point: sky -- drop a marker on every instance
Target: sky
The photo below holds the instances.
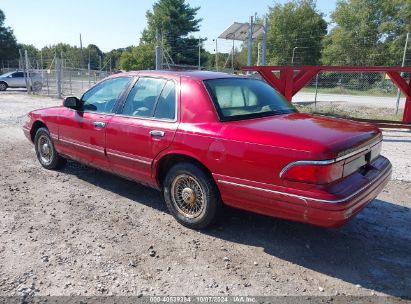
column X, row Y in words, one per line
column 111, row 24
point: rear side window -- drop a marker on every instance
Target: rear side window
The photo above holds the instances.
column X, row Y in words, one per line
column 166, row 105
column 18, row 75
column 151, row 97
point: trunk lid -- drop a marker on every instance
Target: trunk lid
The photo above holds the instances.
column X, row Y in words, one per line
column 320, row 136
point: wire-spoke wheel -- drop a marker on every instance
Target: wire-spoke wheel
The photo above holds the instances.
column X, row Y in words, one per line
column 45, row 151
column 191, row 195
column 187, row 195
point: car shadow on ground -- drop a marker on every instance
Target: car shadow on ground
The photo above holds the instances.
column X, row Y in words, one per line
column 373, row 250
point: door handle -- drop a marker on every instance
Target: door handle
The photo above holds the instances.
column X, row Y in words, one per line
column 99, row 124
column 156, row 133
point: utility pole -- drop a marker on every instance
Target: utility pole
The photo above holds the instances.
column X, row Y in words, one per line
column 27, row 73
column 216, row 54
column 232, row 58
column 264, row 51
column 250, row 41
column 403, row 63
column 42, row 66
column 199, row 53
column 158, row 51
column 258, row 53
column 81, row 53
column 89, row 69
column 21, row 65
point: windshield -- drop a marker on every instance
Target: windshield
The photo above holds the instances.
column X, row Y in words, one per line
column 240, row 98
column 6, row 74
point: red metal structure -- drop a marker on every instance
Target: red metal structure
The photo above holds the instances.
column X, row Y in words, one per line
column 294, row 78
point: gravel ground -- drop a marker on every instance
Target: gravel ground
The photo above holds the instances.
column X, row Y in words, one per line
column 84, row 232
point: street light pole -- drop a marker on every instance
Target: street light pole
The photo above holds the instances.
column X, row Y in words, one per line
column 297, row 47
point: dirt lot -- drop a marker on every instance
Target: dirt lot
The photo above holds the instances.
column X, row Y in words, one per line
column 84, row 232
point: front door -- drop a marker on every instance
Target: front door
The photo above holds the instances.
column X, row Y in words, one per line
column 144, row 127
column 82, row 131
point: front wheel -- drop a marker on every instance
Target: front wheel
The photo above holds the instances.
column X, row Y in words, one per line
column 3, row 86
column 192, row 196
column 45, row 151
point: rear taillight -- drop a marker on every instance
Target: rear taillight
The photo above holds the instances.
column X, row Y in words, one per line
column 314, row 172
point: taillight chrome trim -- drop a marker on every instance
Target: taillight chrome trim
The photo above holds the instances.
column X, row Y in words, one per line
column 381, row 177
column 327, row 161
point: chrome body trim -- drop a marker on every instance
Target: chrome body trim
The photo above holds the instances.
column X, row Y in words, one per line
column 110, row 152
column 342, row 200
column 81, row 145
column 327, row 161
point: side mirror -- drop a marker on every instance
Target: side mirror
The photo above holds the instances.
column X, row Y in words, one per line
column 71, row 102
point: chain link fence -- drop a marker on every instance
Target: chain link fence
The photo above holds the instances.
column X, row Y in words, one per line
column 53, row 77
column 370, row 95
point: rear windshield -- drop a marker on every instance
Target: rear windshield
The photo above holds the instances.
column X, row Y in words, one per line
column 241, row 98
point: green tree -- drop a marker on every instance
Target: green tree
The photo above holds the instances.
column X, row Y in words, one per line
column 173, row 20
column 32, row 51
column 94, row 55
column 115, row 58
column 356, row 38
column 296, row 25
column 8, row 43
column 140, row 57
column 395, row 25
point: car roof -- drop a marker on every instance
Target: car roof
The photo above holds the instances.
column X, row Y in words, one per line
column 198, row 75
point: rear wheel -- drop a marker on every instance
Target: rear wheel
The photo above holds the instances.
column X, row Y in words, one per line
column 3, row 86
column 37, row 86
column 192, row 196
column 45, row 151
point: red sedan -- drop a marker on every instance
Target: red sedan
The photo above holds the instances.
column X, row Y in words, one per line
column 207, row 139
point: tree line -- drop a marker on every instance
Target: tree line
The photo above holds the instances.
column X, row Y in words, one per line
column 361, row 32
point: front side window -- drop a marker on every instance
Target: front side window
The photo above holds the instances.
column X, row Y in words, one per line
column 102, row 98
column 241, row 98
column 151, row 97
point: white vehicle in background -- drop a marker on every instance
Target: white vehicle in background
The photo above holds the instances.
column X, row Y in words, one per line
column 16, row 80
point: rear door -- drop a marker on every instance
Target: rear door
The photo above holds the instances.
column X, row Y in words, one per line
column 82, row 132
column 143, row 127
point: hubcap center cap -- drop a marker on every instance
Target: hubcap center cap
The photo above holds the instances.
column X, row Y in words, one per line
column 188, row 195
column 46, row 149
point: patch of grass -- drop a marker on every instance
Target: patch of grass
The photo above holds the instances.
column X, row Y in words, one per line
column 346, row 91
column 344, row 111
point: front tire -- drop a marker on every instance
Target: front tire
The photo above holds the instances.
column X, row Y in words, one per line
column 3, row 86
column 192, row 196
column 45, row 151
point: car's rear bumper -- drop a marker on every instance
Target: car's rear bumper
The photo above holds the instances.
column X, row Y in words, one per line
column 305, row 208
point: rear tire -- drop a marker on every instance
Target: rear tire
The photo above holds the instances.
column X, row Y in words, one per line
column 3, row 86
column 192, row 196
column 45, row 151
column 37, row 86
